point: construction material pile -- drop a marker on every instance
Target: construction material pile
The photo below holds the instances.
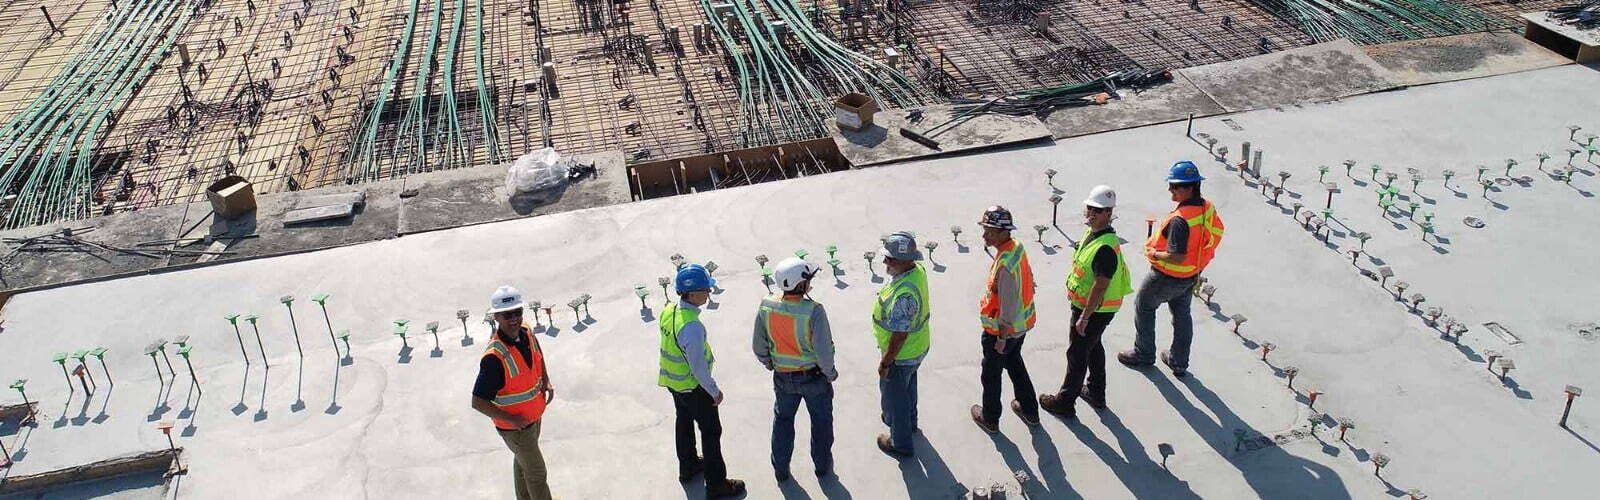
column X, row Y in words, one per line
column 1583, row 15
column 1044, row 100
column 69, row 240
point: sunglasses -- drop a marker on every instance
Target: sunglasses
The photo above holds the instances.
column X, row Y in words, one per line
column 514, row 313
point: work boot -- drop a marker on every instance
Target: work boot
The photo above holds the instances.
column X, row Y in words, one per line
column 1031, row 420
column 694, row 469
column 1131, row 358
column 1057, row 405
column 977, row 417
column 1166, row 359
column 887, row 445
column 1098, row 403
column 729, row 488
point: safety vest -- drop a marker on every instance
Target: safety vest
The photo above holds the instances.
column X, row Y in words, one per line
column 675, row 373
column 523, row 392
column 1081, row 282
column 913, row 283
column 1205, row 233
column 1013, row 259
column 788, row 325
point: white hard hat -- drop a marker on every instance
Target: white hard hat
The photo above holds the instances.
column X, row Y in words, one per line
column 1101, row 196
column 792, row 271
column 505, row 299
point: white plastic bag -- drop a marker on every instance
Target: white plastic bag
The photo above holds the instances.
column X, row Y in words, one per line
column 537, row 171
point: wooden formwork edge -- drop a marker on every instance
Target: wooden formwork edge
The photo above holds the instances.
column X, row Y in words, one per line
column 162, row 460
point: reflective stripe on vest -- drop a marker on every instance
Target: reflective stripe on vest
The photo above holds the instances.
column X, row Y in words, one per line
column 674, row 373
column 1201, row 246
column 523, row 392
column 1014, row 260
column 913, row 283
column 1081, row 282
column 788, row 324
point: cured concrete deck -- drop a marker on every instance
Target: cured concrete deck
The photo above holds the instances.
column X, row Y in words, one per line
column 395, row 423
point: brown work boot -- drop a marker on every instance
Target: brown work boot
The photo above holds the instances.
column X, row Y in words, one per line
column 887, row 445
column 728, row 489
column 1031, row 420
column 1057, row 405
column 1098, row 403
column 977, row 417
column 1166, row 359
column 1131, row 358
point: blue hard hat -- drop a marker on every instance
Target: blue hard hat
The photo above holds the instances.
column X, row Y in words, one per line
column 1184, row 172
column 692, row 277
column 901, row 246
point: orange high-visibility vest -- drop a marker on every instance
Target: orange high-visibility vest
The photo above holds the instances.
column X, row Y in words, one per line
column 523, row 393
column 1205, row 233
column 788, row 325
column 1011, row 257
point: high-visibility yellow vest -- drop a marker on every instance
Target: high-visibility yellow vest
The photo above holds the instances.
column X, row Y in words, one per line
column 675, row 372
column 1081, row 282
column 912, row 283
column 788, row 324
column 1012, row 258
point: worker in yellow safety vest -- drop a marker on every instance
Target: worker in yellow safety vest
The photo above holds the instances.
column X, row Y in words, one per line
column 900, row 325
column 513, row 388
column 1007, row 314
column 793, row 340
column 1178, row 253
column 686, row 373
column 1098, row 282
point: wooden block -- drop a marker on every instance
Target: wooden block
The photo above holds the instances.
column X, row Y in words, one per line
column 358, row 198
column 319, row 214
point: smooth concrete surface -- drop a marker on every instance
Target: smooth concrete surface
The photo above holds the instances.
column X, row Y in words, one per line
column 395, row 423
column 1171, row 101
column 1476, row 55
column 1320, row 72
column 881, row 143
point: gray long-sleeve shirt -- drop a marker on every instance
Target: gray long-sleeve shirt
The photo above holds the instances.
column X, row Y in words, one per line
column 692, row 339
column 1009, row 288
column 821, row 342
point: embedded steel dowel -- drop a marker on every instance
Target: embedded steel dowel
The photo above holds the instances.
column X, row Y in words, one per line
column 288, row 302
column 233, row 319
column 322, row 301
column 1572, row 393
column 252, row 318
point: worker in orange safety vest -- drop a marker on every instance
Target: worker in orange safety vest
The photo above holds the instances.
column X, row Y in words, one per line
column 792, row 338
column 1178, row 253
column 1007, row 314
column 513, row 388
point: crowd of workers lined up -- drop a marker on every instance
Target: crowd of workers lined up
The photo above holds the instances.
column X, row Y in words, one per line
column 792, row 338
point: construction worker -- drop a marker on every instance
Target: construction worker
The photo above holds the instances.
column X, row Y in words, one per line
column 1096, row 286
column 1177, row 253
column 900, row 324
column 1007, row 314
column 793, row 340
column 686, row 373
column 513, row 388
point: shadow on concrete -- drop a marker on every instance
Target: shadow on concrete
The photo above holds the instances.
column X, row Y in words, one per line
column 926, row 475
column 333, row 403
column 1585, row 441
column 191, row 408
column 1016, row 463
column 299, row 389
column 240, row 408
column 1289, row 476
column 832, row 489
column 1143, row 477
column 261, row 409
column 526, row 203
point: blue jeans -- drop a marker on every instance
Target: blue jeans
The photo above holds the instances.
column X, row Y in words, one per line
column 790, row 389
column 1156, row 290
column 900, row 404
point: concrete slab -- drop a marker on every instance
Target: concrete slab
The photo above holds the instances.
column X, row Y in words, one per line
column 396, row 423
column 1172, row 101
column 1315, row 73
column 882, row 143
column 1476, row 55
column 476, row 195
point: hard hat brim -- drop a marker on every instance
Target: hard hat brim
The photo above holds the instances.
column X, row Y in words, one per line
column 1096, row 204
column 912, row 256
column 518, row 305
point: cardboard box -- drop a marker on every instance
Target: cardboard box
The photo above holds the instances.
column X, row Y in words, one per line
column 231, row 197
column 854, row 111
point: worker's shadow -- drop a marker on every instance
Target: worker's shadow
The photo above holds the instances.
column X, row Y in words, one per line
column 926, row 475
column 1133, row 465
column 1055, row 480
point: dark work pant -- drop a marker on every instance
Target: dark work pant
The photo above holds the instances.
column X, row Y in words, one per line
column 695, row 408
column 1009, row 361
column 789, row 390
column 1086, row 357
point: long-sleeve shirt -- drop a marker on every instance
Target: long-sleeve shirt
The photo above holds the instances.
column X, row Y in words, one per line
column 902, row 314
column 1009, row 290
column 821, row 342
column 692, row 339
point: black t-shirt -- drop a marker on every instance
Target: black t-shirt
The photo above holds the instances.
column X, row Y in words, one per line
column 491, row 376
column 1105, row 260
column 1177, row 230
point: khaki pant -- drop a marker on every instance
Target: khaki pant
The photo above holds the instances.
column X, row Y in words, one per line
column 528, row 464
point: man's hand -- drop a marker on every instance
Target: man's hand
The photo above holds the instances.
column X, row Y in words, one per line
column 1000, row 344
column 549, row 393
column 883, row 368
column 1082, row 325
column 718, row 401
